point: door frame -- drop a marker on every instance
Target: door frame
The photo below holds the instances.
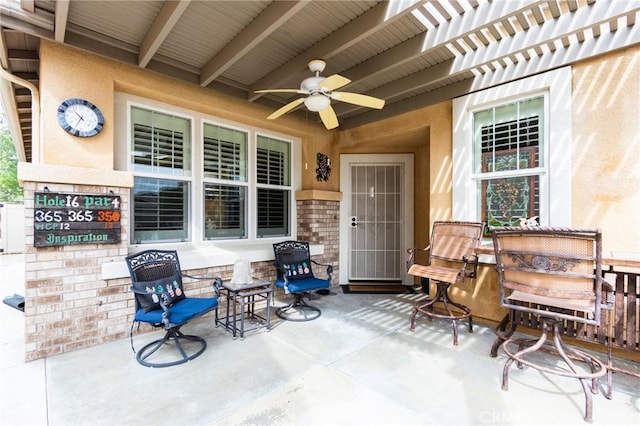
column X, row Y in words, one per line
column 346, row 161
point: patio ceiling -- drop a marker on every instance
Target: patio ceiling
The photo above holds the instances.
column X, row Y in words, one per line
column 410, row 53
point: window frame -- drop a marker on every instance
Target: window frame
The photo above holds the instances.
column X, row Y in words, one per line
column 196, row 227
column 187, row 175
column 285, row 186
column 246, row 184
column 555, row 175
column 533, row 172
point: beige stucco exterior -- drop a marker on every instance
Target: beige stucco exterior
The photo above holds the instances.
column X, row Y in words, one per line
column 606, row 136
column 605, row 148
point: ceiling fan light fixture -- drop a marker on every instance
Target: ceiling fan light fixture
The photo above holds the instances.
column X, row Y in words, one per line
column 317, row 102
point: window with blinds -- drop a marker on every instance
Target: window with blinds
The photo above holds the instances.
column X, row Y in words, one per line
column 241, row 188
column 225, row 153
column 157, row 148
column 160, row 150
column 508, row 145
column 224, row 211
column 273, row 212
column 273, row 198
column 224, row 165
column 160, row 209
column 161, row 143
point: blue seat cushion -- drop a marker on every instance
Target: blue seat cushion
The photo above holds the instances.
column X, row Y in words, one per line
column 307, row 284
column 180, row 312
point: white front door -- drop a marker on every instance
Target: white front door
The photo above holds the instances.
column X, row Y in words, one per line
column 376, row 217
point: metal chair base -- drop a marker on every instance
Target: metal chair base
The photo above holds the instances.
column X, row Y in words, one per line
column 526, row 346
column 442, row 296
column 298, row 310
column 176, row 337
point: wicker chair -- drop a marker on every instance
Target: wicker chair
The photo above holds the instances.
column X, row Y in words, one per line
column 451, row 261
column 555, row 276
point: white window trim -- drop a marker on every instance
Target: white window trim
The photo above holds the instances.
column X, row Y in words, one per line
column 251, row 248
column 555, row 205
column 187, row 177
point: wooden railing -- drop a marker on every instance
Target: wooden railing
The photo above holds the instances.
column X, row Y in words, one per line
column 623, row 318
column 619, row 328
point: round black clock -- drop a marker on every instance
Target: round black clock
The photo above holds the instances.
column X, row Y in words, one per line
column 80, row 117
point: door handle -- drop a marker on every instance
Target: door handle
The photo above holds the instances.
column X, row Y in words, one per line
column 354, row 221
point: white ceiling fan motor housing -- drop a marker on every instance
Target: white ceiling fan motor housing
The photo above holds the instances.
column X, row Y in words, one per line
column 317, row 102
column 317, row 99
column 311, row 84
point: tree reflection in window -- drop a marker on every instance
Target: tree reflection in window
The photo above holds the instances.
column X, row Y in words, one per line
column 506, row 200
column 507, row 148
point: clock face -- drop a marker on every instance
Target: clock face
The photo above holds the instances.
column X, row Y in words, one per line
column 80, row 117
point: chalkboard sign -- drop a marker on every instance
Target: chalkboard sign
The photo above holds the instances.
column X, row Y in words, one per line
column 66, row 219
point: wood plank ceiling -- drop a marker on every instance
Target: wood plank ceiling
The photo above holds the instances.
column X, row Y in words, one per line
column 411, row 53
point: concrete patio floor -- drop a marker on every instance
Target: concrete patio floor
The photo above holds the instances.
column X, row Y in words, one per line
column 358, row 364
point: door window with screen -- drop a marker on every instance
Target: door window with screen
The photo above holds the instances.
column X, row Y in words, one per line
column 161, row 159
column 509, row 161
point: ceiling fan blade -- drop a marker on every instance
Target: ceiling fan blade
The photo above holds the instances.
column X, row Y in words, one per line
column 302, row 92
column 333, row 82
column 285, row 109
column 358, row 99
column 329, row 118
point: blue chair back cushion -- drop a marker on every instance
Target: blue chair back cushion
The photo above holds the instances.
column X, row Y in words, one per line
column 169, row 287
column 302, row 285
column 181, row 311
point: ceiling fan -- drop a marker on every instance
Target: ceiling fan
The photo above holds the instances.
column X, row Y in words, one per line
column 320, row 91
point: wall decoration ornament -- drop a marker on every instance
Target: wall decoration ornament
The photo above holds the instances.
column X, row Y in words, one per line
column 323, row 171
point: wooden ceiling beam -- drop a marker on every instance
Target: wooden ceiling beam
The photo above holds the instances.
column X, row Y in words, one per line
column 376, row 18
column 167, row 18
column 259, row 29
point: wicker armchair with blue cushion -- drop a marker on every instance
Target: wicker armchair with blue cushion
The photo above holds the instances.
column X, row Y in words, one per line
column 294, row 274
column 156, row 279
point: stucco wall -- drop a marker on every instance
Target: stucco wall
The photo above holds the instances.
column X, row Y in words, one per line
column 606, row 97
column 605, row 150
column 71, row 73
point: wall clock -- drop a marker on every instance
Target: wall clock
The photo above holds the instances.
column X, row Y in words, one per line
column 80, row 118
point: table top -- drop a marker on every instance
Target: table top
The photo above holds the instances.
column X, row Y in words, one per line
column 245, row 286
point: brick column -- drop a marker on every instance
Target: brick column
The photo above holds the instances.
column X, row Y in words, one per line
column 318, row 223
column 67, row 304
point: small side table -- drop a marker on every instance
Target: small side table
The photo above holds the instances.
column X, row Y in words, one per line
column 245, row 296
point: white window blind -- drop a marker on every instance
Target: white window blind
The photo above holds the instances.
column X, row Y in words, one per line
column 273, row 192
column 225, row 153
column 160, row 150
